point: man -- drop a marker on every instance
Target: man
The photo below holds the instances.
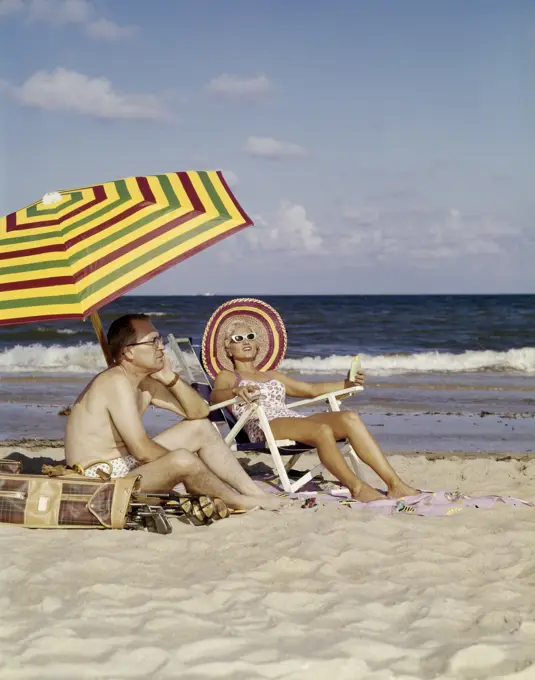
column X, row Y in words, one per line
column 105, row 431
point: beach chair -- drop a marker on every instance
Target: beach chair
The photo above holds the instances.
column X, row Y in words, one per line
column 188, row 355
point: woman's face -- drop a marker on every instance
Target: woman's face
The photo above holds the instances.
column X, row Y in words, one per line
column 242, row 344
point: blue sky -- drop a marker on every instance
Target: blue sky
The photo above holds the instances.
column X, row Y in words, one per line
column 382, row 146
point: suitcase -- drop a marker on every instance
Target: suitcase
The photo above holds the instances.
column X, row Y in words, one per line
column 72, row 501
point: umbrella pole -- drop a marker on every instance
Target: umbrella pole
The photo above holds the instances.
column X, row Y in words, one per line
column 97, row 325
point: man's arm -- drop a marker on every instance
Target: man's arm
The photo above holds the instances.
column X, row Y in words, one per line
column 124, row 413
column 180, row 398
column 171, row 392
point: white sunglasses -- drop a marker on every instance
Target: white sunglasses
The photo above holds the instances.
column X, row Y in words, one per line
column 241, row 338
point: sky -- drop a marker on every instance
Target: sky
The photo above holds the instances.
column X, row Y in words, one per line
column 380, row 146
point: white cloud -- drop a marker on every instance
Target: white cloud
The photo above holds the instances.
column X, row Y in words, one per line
column 68, row 12
column 267, row 147
column 423, row 236
column 103, row 29
column 8, row 7
column 291, row 231
column 64, row 90
column 236, row 86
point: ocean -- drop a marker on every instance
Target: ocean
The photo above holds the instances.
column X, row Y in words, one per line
column 426, row 356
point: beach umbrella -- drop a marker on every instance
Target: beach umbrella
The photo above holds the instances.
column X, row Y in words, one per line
column 73, row 251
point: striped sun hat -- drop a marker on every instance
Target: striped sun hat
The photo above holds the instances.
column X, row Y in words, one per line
column 256, row 315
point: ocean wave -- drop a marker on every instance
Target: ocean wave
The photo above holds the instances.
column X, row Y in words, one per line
column 88, row 358
column 517, row 360
column 37, row 358
column 156, row 313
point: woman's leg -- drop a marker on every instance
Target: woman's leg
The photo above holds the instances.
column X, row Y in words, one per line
column 321, row 437
column 349, row 424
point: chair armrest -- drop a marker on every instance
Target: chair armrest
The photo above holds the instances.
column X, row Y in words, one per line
column 325, row 397
column 223, row 404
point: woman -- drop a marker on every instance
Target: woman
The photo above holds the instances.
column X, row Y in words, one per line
column 241, row 343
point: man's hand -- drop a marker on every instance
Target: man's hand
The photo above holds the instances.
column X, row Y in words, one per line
column 166, row 374
column 248, row 393
column 358, row 382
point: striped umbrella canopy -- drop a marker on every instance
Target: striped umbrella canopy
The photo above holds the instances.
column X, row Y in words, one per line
column 73, row 251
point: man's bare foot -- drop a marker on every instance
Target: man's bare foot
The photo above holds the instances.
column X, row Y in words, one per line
column 401, row 489
column 365, row 493
column 263, row 501
column 283, row 501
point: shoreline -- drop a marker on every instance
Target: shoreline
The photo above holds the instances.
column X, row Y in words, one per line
column 38, row 445
column 491, row 415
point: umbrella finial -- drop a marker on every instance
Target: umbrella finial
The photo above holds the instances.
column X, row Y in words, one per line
column 51, row 197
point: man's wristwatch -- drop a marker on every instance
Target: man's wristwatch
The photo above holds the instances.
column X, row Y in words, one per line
column 173, row 381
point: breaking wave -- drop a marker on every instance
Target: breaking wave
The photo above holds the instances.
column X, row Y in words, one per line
column 88, row 358
column 517, row 360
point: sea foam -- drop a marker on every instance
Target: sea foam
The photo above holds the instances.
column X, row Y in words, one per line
column 88, row 358
column 513, row 360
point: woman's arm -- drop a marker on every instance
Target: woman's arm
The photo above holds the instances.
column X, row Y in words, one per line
column 299, row 388
column 225, row 388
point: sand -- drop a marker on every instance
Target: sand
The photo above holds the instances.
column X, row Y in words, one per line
column 329, row 593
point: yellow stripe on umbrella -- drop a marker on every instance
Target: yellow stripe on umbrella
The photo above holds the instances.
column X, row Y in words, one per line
column 68, row 256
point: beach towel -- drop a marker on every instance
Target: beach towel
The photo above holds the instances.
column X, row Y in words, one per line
column 440, row 503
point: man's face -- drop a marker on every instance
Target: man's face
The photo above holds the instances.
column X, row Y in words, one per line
column 146, row 351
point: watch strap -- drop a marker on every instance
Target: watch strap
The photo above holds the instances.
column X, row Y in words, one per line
column 174, row 381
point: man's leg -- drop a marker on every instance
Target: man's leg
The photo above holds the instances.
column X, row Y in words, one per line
column 181, row 465
column 202, row 437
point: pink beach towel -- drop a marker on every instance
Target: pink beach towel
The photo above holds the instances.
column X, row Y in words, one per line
column 428, row 503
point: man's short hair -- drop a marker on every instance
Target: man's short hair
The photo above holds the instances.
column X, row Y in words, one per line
column 121, row 333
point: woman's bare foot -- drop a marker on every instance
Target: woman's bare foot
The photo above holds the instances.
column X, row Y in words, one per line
column 401, row 489
column 365, row 493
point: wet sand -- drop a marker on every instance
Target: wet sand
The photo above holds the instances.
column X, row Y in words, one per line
column 421, row 414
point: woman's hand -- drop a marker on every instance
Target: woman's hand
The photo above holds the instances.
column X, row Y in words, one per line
column 248, row 393
column 358, row 382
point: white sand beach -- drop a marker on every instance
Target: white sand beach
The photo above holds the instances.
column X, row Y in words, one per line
column 334, row 592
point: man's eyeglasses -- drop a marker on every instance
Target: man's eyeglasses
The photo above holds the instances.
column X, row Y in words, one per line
column 159, row 339
column 241, row 338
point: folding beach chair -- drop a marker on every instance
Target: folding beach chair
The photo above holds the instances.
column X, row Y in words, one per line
column 189, row 357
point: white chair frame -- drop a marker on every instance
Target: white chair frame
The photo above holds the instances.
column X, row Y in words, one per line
column 332, row 399
column 273, row 444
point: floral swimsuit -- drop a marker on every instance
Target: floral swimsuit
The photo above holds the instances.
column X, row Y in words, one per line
column 273, row 400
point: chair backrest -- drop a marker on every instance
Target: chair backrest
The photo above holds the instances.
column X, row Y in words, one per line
column 189, row 355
